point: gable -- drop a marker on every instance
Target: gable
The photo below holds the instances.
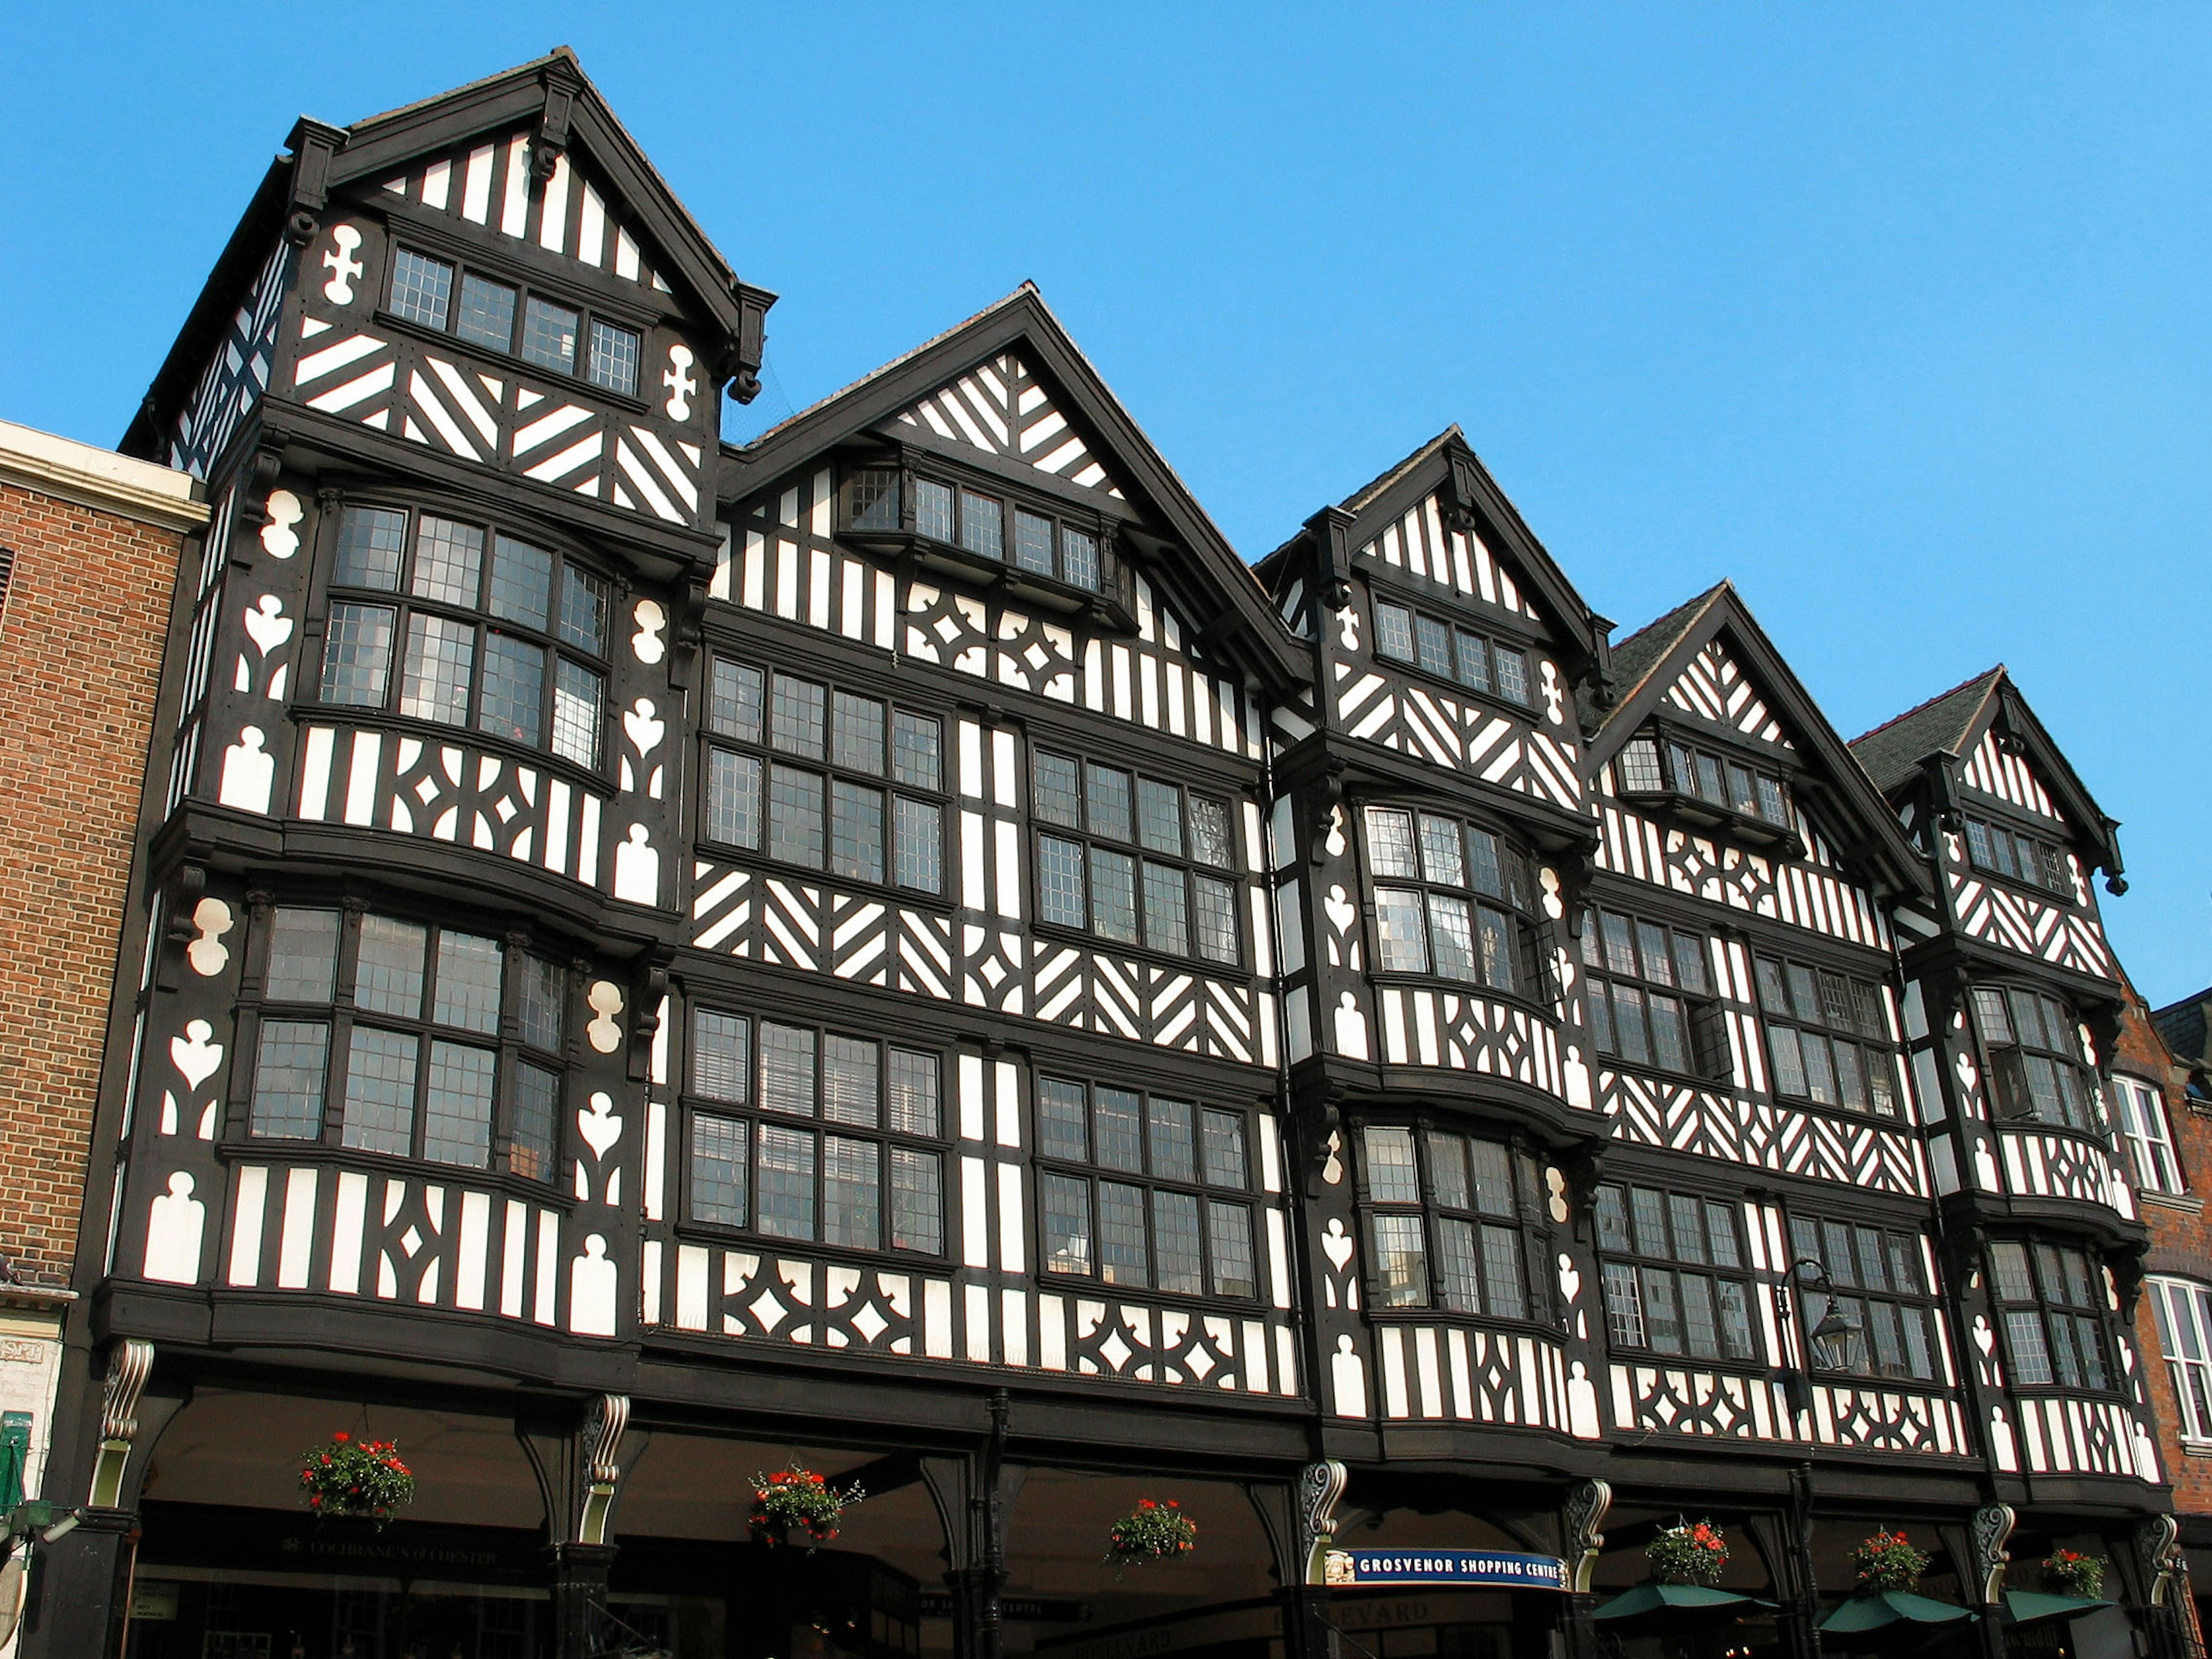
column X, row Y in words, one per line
column 1000, row 408
column 488, row 184
column 1419, row 545
column 1989, row 768
column 1714, row 687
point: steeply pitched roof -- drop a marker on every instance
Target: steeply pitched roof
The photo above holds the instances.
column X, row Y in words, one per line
column 1636, row 656
column 1939, row 727
column 2183, row 1024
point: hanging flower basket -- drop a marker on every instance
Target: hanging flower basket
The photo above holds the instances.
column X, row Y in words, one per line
column 1888, row 1561
column 2069, row 1572
column 361, row 1479
column 1688, row 1552
column 1153, row 1531
column 799, row 1501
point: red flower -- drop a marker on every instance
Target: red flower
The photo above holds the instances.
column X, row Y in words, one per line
column 340, row 1435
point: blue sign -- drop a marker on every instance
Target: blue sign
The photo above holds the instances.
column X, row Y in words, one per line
column 1492, row 1569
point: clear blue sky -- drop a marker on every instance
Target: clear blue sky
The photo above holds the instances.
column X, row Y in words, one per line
column 1898, row 315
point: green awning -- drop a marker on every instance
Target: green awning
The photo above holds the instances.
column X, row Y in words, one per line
column 2032, row 1606
column 1863, row 1613
column 1661, row 1598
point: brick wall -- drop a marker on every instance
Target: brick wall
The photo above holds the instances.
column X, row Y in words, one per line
column 81, row 641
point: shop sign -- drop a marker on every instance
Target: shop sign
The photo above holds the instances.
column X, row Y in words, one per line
column 1496, row 1569
column 1022, row 1609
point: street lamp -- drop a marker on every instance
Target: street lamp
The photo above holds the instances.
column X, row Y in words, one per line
column 1828, row 1339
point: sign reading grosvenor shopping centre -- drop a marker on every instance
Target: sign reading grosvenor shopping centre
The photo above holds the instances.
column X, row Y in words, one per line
column 1492, row 1569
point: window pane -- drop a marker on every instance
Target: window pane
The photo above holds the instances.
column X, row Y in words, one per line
column 448, row 561
column 537, row 1109
column 372, row 542
column 1720, row 1235
column 1639, row 766
column 1209, row 834
column 1402, row 942
column 1770, row 805
column 468, row 981
column 721, row 1065
column 357, row 655
column 1060, row 1115
column 1613, row 1220
column 1065, row 1202
column 736, row 701
column 433, row 685
column 876, row 499
column 1159, row 817
column 1512, row 672
column 1225, row 1149
column 457, row 1106
column 1079, row 557
column 858, row 731
column 1116, row 1122
column 1658, row 960
column 1433, row 646
column 1393, row 631
column 856, row 831
column 718, row 1170
column 1060, row 882
column 1619, row 944
column 794, row 815
column 1686, row 1221
column 1661, row 1312
column 1390, row 843
column 2031, row 1356
column 982, row 525
column 1108, row 793
column 1709, row 786
column 514, row 697
column 1443, row 851
column 548, row 335
column 614, row 358
column 920, row 837
column 389, row 980
column 913, row 1100
column 486, row 313
column 1216, row 920
column 288, row 1078
column 1735, row 1320
column 1851, row 1083
column 1701, row 1328
column 1167, row 923
column 1473, row 660
column 1600, row 1006
column 733, row 803
column 1053, row 780
column 583, row 610
column 1173, row 1140
column 1773, row 995
column 1632, row 1034
column 1502, row 1280
column 1032, row 542
column 932, row 509
column 798, row 712
column 1402, row 1260
column 1391, row 1178
column 1229, row 1235
column 1670, row 1036
column 303, row 955
column 786, row 1181
column 916, row 745
column 1690, row 963
column 1113, row 895
column 379, row 1099
column 1649, row 1210
column 851, row 1080
column 1448, row 1184
column 1624, row 1305
column 521, row 583
column 1459, row 1264
column 1743, row 795
column 786, row 1068
column 1493, row 1177
column 422, row 289
column 578, row 696
column 1123, row 1256
column 852, row 1192
column 917, row 1200
column 1788, row 1061
column 1175, row 1234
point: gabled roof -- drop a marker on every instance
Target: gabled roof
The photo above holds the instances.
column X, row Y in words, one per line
column 1950, row 725
column 1241, row 620
column 2183, row 1025
column 1446, row 465
column 1648, row 663
column 552, row 95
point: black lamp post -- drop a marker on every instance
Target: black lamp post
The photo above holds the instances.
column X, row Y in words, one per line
column 1828, row 1339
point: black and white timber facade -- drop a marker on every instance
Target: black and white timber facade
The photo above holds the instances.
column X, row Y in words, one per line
column 889, row 948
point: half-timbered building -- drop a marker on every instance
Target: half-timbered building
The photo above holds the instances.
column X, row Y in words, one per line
column 890, row 950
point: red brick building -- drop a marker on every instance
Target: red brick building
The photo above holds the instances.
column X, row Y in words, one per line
column 90, row 542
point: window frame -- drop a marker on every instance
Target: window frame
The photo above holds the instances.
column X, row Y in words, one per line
column 1520, row 904
column 2047, row 1313
column 1662, row 744
column 1706, row 1043
column 2189, row 1375
column 907, row 470
column 1671, row 1263
column 1090, row 759
column 2054, row 876
column 588, row 312
column 1814, row 1237
column 341, row 1014
column 693, row 1103
column 1876, row 1053
column 403, row 605
column 2146, row 1126
column 2009, row 1088
column 1093, row 1172
column 1430, row 1211
column 1461, row 642
column 764, row 754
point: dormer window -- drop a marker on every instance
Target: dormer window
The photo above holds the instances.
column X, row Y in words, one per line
column 1451, row 653
column 1021, row 535
column 2017, row 857
column 552, row 334
column 1703, row 779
